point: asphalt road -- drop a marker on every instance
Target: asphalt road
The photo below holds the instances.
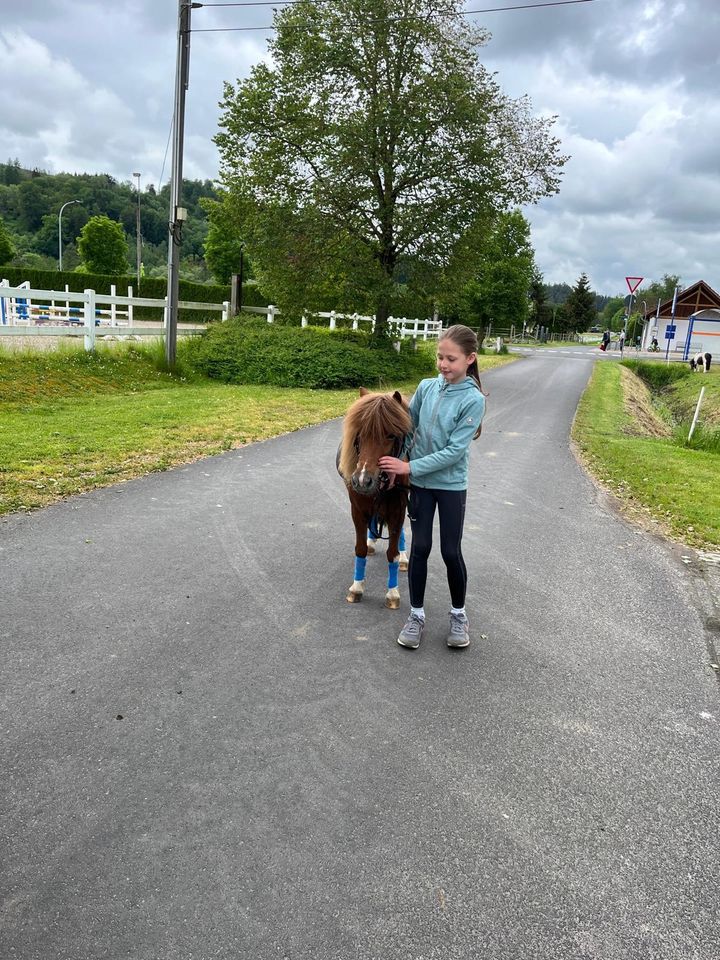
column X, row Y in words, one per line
column 207, row 753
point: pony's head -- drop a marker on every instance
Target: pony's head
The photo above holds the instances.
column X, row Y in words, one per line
column 375, row 426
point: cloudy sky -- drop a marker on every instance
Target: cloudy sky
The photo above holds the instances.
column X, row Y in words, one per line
column 87, row 86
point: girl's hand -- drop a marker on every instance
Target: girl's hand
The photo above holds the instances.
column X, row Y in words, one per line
column 394, row 467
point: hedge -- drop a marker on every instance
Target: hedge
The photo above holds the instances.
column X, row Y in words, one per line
column 251, row 351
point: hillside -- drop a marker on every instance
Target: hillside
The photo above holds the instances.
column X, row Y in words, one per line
column 30, row 201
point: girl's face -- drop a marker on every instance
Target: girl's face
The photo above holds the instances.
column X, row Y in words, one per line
column 452, row 362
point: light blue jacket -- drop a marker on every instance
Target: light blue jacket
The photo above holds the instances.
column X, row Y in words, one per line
column 446, row 417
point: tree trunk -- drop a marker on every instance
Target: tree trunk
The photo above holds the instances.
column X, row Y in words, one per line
column 387, row 260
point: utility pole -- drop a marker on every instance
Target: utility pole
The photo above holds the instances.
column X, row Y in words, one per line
column 137, row 231
column 177, row 214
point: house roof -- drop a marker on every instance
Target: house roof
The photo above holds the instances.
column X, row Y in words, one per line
column 698, row 296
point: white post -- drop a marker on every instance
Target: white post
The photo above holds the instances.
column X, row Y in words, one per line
column 271, row 308
column 89, row 319
column 113, row 306
column 697, row 411
column 333, row 316
column 130, row 307
column 225, row 310
column 303, row 321
column 498, row 345
column 355, row 321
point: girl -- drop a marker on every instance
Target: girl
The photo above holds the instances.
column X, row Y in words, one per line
column 447, row 412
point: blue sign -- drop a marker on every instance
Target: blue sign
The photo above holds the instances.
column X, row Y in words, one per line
column 670, row 331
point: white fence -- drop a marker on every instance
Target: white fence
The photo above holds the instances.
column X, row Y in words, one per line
column 28, row 312
column 399, row 326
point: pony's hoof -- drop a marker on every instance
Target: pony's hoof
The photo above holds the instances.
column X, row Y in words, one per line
column 371, row 548
column 354, row 597
column 392, row 603
column 404, row 564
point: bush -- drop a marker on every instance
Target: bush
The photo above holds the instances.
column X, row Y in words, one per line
column 657, row 375
column 252, row 351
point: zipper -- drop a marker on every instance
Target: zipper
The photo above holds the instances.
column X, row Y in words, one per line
column 443, row 388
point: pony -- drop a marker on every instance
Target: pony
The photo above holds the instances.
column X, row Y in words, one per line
column 375, row 425
column 701, row 361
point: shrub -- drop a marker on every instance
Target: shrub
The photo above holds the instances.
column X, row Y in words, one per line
column 252, row 351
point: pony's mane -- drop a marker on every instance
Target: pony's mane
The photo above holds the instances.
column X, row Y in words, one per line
column 371, row 418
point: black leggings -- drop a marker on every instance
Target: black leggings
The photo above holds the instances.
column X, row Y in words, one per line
column 451, row 510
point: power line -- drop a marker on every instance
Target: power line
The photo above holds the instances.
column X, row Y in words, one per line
column 276, row 3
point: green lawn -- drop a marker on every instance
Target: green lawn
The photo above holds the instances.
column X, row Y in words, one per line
column 71, row 421
column 673, row 485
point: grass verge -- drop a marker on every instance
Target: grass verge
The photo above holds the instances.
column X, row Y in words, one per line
column 71, row 421
column 661, row 482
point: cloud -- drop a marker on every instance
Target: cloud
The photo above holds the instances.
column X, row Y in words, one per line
column 633, row 86
column 89, row 87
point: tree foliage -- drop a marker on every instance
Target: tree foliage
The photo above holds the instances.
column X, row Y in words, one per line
column 371, row 135
column 541, row 311
column 578, row 312
column 7, row 248
column 102, row 246
column 31, row 200
column 498, row 293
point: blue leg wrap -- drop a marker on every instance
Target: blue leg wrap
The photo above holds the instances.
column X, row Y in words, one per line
column 401, row 543
column 360, row 567
column 393, row 574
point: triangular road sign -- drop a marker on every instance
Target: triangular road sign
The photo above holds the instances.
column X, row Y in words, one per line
column 633, row 283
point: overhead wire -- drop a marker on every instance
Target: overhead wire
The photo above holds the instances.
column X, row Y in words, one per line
column 276, row 3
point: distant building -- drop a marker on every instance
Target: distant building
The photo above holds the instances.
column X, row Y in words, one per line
column 696, row 321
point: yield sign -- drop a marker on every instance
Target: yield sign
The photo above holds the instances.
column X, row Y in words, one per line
column 633, row 283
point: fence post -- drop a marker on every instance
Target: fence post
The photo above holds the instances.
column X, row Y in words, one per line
column 303, row 321
column 89, row 319
column 225, row 310
column 3, row 308
column 355, row 321
column 113, row 306
column 130, row 306
column 271, row 308
column 333, row 315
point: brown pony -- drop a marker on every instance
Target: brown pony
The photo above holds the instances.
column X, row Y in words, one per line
column 376, row 425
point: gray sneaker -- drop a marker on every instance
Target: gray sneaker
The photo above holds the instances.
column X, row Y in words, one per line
column 411, row 633
column 459, row 635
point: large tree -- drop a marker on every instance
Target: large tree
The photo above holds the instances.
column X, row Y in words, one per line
column 541, row 311
column 579, row 312
column 102, row 246
column 372, row 134
column 504, row 265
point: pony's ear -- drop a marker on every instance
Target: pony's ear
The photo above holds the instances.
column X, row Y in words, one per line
column 398, row 396
column 364, row 391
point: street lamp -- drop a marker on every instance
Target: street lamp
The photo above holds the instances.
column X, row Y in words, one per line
column 137, row 230
column 60, row 231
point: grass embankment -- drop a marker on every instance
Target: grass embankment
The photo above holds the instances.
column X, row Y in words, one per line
column 71, row 421
column 633, row 439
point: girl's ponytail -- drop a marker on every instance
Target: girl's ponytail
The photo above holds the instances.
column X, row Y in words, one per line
column 466, row 340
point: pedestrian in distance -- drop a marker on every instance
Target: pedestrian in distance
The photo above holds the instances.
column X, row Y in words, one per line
column 605, row 340
column 621, row 341
column 447, row 413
